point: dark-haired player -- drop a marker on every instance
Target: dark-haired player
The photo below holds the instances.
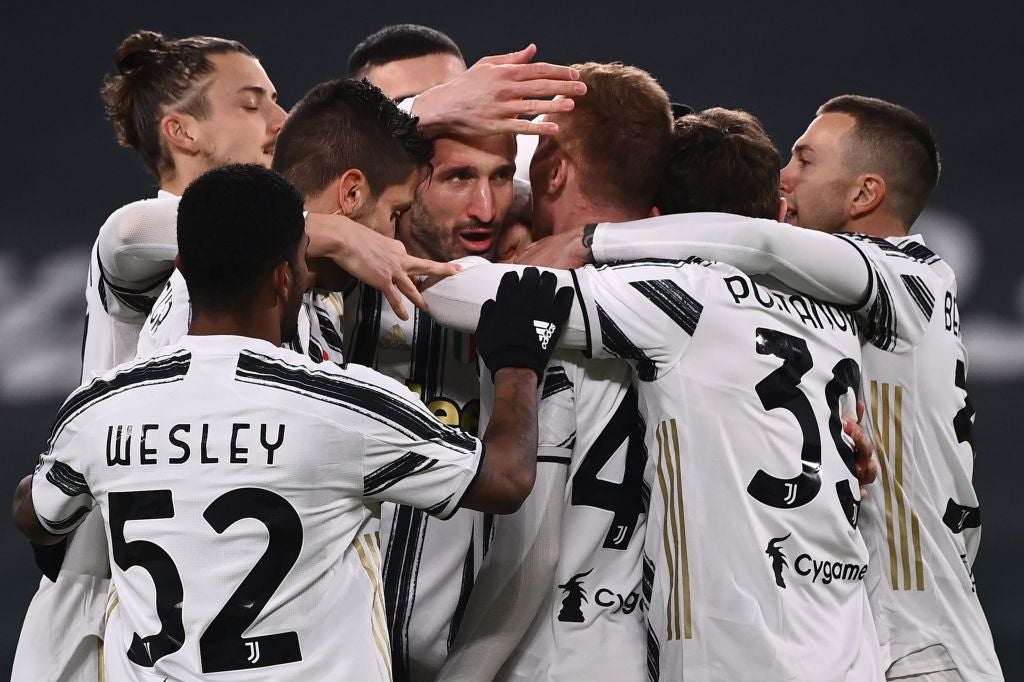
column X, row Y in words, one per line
column 404, row 60
column 350, row 151
column 742, row 386
column 868, row 166
column 228, row 446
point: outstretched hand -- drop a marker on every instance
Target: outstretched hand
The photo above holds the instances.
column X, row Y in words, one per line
column 379, row 260
column 866, row 466
column 492, row 94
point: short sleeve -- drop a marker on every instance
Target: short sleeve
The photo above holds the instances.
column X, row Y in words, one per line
column 644, row 312
column 412, row 458
column 60, row 493
column 906, row 277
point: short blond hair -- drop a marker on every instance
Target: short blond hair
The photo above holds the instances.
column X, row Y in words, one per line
column 618, row 135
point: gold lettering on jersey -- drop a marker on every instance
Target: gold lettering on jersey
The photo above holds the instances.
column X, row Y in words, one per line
column 448, row 411
column 811, row 312
column 906, row 563
column 176, row 444
column 673, row 529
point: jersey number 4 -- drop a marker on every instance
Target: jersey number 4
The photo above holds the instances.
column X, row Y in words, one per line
column 222, row 646
column 781, row 390
column 625, row 500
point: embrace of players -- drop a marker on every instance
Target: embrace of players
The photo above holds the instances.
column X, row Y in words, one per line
column 341, row 419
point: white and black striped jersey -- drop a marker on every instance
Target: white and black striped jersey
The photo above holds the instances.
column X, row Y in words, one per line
column 558, row 595
column 239, row 484
column 922, row 523
column 753, row 566
column 130, row 260
column 429, row 565
column 318, row 334
column 130, row 263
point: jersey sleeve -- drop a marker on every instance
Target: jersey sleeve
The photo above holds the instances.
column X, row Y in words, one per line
column 813, row 263
column 411, row 457
column 60, row 493
column 455, row 301
column 136, row 248
column 906, row 277
column 644, row 312
column 169, row 319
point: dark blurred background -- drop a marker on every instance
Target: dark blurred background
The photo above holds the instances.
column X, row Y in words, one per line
column 957, row 64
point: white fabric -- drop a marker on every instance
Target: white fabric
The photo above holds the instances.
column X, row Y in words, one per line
column 521, row 623
column 920, row 581
column 302, row 451
column 430, row 566
column 740, row 583
column 318, row 330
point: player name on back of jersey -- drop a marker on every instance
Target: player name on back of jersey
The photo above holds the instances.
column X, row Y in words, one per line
column 812, row 312
column 148, row 444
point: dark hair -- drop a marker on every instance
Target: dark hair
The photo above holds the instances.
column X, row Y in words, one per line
column 345, row 124
column 235, row 225
column 722, row 160
column 618, row 134
column 155, row 75
column 396, row 42
column 896, row 143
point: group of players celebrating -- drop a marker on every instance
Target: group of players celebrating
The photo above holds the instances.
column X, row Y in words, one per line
column 291, row 349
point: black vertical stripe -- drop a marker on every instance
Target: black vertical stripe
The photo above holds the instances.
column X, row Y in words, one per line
column 401, row 566
column 468, row 577
column 367, row 329
column 427, row 352
column 330, row 335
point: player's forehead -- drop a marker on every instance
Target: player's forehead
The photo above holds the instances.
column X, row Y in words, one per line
column 237, row 74
column 485, row 154
column 409, row 77
column 824, row 134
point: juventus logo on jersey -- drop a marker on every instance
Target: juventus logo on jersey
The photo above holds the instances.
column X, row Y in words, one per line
column 545, row 330
column 254, row 652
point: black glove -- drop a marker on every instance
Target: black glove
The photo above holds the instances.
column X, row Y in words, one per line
column 521, row 325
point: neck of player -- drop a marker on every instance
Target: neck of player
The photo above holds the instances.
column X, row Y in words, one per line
column 253, row 323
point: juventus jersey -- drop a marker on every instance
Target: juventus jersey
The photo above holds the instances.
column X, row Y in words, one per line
column 272, row 465
column 924, row 525
column 429, row 565
column 922, row 522
column 753, row 567
column 318, row 334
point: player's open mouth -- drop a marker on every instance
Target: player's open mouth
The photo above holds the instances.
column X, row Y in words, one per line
column 477, row 240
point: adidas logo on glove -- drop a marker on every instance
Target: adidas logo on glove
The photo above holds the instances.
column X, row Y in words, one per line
column 545, row 330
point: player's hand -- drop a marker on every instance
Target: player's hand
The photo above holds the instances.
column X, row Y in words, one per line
column 866, row 466
column 564, row 251
column 380, row 261
column 492, row 94
column 520, row 326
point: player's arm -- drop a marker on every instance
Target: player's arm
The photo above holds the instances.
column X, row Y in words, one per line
column 54, row 500
column 808, row 261
column 490, row 96
column 25, row 518
column 138, row 243
column 456, row 301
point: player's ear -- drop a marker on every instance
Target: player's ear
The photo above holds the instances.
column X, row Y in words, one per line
column 353, row 191
column 869, row 194
column 559, row 173
column 281, row 280
column 780, row 214
column 181, row 132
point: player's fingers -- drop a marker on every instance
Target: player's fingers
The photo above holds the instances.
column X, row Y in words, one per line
column 422, row 266
column 394, row 299
column 860, row 411
column 542, row 70
column 518, row 57
column 545, row 87
column 408, row 287
column 524, row 127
